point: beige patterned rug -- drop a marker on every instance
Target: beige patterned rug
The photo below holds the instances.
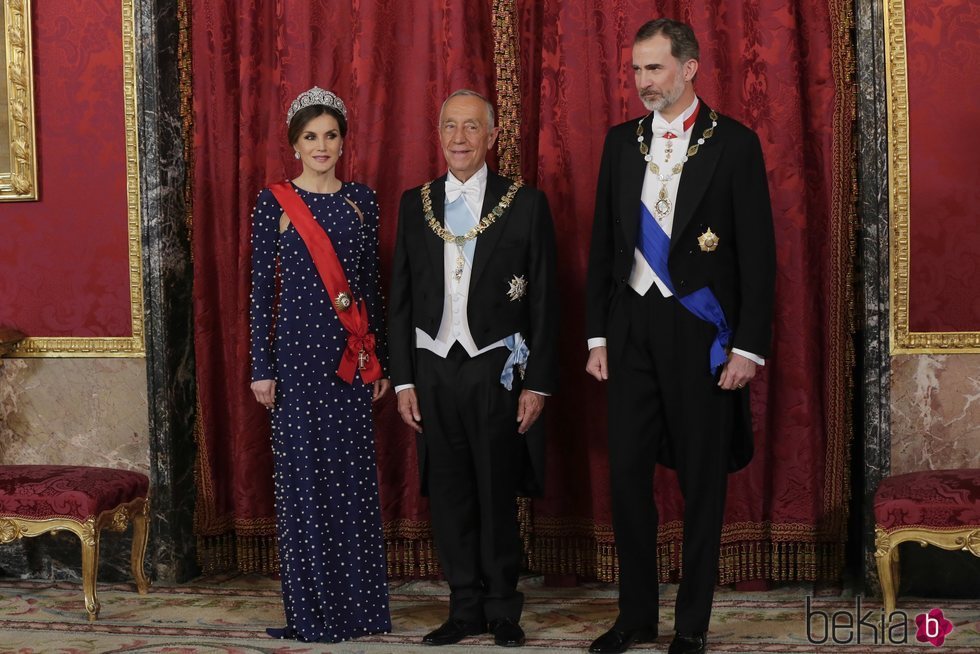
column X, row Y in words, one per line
column 229, row 616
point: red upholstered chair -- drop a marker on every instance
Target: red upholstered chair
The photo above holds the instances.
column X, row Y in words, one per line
column 36, row 499
column 931, row 507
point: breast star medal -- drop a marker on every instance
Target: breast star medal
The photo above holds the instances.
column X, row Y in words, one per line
column 342, row 301
column 708, row 242
column 518, row 288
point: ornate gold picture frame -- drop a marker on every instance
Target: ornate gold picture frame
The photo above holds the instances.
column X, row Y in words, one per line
column 18, row 161
column 112, row 346
column 903, row 340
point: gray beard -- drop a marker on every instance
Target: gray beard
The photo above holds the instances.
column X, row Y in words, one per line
column 662, row 102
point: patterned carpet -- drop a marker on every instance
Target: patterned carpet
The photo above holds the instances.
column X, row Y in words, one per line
column 229, row 616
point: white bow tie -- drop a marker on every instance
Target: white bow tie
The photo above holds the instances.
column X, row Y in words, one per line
column 470, row 189
column 661, row 127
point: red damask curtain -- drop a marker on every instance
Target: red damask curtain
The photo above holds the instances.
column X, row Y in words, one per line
column 559, row 71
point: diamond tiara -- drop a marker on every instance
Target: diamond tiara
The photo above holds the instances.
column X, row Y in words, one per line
column 315, row 96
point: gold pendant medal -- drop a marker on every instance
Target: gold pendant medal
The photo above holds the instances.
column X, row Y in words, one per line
column 662, row 206
column 460, row 262
column 342, row 301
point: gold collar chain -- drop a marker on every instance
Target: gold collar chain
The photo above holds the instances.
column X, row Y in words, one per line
column 691, row 151
column 479, row 228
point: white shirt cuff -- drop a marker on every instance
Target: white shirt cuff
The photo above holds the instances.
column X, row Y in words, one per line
column 751, row 357
column 596, row 342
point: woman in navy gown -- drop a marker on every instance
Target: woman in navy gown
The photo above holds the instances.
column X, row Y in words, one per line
column 331, row 552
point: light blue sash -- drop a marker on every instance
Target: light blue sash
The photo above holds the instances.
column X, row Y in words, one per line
column 459, row 220
column 518, row 357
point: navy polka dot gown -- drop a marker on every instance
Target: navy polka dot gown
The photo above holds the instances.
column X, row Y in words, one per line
column 331, row 552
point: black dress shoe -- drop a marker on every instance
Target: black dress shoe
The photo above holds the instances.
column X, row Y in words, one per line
column 507, row 633
column 452, row 631
column 618, row 640
column 689, row 644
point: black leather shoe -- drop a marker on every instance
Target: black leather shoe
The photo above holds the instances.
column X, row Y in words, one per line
column 452, row 631
column 507, row 633
column 618, row 640
column 689, row 644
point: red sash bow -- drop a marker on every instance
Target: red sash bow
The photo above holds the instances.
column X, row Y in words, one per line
column 359, row 354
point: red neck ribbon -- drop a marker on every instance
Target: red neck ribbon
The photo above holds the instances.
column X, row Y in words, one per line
column 689, row 121
column 686, row 125
column 359, row 355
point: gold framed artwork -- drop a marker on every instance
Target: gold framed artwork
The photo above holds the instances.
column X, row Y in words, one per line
column 18, row 161
column 112, row 346
column 903, row 338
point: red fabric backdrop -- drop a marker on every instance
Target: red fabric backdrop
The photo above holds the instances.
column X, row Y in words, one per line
column 942, row 56
column 768, row 63
column 64, row 260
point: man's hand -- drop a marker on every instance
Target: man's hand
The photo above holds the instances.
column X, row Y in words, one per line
column 529, row 408
column 598, row 363
column 381, row 387
column 737, row 372
column 408, row 408
column 265, row 392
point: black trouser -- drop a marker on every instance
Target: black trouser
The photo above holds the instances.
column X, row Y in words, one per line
column 469, row 423
column 662, row 395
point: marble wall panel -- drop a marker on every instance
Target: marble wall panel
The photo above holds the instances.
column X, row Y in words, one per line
column 9, row 371
column 872, row 421
column 935, row 409
column 74, row 411
column 167, row 289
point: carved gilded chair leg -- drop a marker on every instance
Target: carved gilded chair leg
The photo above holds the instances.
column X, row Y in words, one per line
column 141, row 533
column 90, row 568
column 884, row 553
column 894, row 562
column 887, row 582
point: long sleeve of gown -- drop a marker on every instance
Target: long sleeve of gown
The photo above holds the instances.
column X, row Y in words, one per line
column 371, row 277
column 265, row 226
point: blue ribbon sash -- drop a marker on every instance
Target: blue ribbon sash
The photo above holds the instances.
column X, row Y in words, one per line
column 655, row 246
column 518, row 357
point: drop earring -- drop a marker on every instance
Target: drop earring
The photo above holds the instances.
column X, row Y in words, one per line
column 297, row 155
column 341, row 153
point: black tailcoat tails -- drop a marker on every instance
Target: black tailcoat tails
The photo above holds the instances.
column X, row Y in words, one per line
column 664, row 404
column 472, row 460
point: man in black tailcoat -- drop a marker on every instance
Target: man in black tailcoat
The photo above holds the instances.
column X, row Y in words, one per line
column 679, row 308
column 473, row 345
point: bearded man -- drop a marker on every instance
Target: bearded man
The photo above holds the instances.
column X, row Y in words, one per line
column 679, row 305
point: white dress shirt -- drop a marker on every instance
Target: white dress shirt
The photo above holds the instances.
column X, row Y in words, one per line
column 642, row 277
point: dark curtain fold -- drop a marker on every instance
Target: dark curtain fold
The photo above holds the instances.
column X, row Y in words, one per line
column 783, row 68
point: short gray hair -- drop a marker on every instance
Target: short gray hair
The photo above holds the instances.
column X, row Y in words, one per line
column 465, row 92
column 683, row 44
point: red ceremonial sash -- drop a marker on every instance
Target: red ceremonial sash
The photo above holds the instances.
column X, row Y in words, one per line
column 359, row 354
